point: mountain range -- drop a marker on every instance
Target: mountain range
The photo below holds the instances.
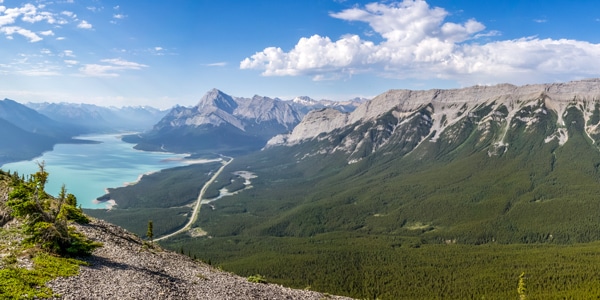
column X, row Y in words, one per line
column 29, row 130
column 486, row 163
column 92, row 118
column 463, row 174
column 410, row 117
column 224, row 124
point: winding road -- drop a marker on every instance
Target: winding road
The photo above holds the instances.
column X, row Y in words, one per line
column 198, row 204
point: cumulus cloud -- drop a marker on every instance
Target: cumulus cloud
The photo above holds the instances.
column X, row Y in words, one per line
column 84, row 25
column 110, row 68
column 417, row 42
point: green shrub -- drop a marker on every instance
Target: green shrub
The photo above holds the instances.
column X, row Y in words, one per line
column 20, row 283
column 257, row 279
column 47, row 218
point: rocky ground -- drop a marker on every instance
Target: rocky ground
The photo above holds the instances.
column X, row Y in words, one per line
column 126, row 268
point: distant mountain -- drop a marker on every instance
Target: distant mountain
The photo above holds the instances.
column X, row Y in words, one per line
column 306, row 104
column 222, row 123
column 93, row 118
column 19, row 144
column 30, row 120
column 26, row 133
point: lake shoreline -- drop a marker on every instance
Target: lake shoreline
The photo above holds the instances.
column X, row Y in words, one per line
column 94, row 162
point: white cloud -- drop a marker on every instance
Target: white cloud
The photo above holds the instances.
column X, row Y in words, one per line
column 119, row 16
column 84, row 25
column 16, row 20
column 69, row 14
column 10, row 30
column 418, row 43
column 70, row 62
column 67, row 53
column 110, row 68
column 39, row 72
column 217, row 64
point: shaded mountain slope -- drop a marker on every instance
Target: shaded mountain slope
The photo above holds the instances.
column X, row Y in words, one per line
column 19, row 144
column 32, row 121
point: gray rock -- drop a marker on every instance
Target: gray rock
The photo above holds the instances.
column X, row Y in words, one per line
column 125, row 268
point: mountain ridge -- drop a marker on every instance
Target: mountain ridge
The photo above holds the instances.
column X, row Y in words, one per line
column 221, row 122
column 444, row 108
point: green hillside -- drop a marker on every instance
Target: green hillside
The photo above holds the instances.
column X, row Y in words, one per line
column 384, row 224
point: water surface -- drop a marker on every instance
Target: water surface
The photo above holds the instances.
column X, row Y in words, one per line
column 88, row 169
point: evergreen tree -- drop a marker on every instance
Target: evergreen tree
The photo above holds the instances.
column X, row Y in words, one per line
column 150, row 232
column 47, row 218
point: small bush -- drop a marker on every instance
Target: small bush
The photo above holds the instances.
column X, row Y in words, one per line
column 257, row 279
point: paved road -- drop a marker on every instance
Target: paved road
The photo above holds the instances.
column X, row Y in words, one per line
column 194, row 216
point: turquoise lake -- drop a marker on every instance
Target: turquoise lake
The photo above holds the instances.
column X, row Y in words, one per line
column 87, row 170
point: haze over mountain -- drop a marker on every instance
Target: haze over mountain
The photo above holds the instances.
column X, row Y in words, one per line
column 28, row 131
column 221, row 123
column 94, row 119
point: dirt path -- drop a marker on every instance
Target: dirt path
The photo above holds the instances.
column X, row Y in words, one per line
column 198, row 204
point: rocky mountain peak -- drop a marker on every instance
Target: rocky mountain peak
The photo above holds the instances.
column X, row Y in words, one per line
column 397, row 112
column 305, row 100
column 217, row 99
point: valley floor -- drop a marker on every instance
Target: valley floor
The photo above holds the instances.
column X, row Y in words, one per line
column 198, row 203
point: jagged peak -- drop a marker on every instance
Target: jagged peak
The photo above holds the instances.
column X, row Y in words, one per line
column 305, row 100
column 217, row 99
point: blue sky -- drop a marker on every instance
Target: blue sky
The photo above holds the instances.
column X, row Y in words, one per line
column 163, row 53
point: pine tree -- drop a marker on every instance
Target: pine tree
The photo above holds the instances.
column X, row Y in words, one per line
column 47, row 218
column 150, row 232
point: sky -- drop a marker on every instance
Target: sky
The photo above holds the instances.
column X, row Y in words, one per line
column 166, row 53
